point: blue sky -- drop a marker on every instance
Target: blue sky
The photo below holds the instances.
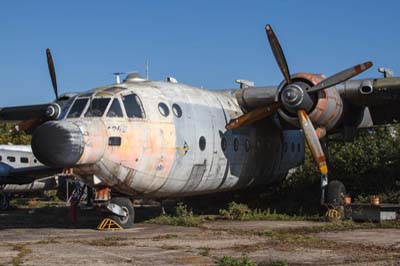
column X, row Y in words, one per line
column 202, row 43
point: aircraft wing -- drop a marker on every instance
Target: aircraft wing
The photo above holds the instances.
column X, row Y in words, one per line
column 25, row 175
column 29, row 116
column 381, row 97
column 366, row 102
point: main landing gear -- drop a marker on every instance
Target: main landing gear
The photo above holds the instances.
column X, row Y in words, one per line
column 334, row 200
column 119, row 209
column 126, row 220
column 335, row 193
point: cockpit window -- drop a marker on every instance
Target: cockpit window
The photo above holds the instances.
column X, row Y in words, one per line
column 133, row 106
column 77, row 108
column 115, row 109
column 97, row 107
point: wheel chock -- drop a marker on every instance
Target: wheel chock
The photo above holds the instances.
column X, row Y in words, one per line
column 109, row 224
column 333, row 213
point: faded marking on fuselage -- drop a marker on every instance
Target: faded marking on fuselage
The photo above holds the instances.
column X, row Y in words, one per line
column 183, row 150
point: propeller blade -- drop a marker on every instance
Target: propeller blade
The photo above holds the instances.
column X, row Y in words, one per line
column 341, row 76
column 278, row 53
column 313, row 141
column 52, row 71
column 27, row 124
column 253, row 116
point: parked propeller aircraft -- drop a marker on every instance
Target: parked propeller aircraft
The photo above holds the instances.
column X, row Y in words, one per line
column 160, row 139
column 13, row 158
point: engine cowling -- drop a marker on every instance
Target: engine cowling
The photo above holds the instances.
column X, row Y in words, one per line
column 326, row 110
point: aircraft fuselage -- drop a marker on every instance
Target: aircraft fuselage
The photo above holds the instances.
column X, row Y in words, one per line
column 170, row 140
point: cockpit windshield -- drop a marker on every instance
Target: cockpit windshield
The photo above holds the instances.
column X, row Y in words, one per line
column 106, row 104
column 97, row 107
column 77, row 108
column 115, row 109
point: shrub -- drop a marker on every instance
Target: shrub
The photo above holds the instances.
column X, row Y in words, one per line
column 182, row 217
column 230, row 261
column 236, row 211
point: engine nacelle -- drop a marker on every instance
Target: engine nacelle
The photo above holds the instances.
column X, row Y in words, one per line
column 327, row 108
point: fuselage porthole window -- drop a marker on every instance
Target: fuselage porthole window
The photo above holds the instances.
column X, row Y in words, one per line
column 115, row 109
column 236, row 144
column 24, row 160
column 298, row 147
column 223, row 143
column 163, row 109
column 133, row 106
column 202, row 143
column 11, row 159
column 247, row 145
column 77, row 108
column 177, row 110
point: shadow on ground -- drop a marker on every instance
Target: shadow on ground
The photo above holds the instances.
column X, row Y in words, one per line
column 59, row 217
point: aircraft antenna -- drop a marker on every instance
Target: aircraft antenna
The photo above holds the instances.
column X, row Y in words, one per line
column 118, row 77
column 147, row 69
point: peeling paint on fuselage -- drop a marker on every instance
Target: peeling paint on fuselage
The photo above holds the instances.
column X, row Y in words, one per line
column 162, row 156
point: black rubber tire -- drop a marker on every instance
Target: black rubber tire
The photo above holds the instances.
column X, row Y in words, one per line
column 335, row 193
column 127, row 205
column 4, row 202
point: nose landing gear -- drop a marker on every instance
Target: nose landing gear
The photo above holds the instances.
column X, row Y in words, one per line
column 119, row 209
column 127, row 219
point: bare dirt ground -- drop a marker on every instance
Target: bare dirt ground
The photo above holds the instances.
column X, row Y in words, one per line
column 47, row 237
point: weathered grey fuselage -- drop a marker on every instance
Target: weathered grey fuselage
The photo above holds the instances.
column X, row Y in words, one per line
column 183, row 149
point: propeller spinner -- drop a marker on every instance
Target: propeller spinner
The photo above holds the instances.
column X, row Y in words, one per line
column 295, row 98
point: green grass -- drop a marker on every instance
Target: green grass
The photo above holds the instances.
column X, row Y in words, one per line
column 231, row 261
column 22, row 252
column 241, row 212
column 235, row 211
column 167, row 236
column 182, row 217
column 50, row 240
column 278, row 263
column 177, row 220
column 306, row 237
column 109, row 241
column 205, row 251
column 115, row 238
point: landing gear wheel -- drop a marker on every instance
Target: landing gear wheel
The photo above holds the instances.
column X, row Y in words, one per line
column 127, row 206
column 335, row 193
column 4, row 202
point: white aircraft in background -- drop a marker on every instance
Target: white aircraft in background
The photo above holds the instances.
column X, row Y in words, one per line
column 14, row 157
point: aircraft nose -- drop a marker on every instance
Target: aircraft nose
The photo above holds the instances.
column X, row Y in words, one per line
column 58, row 144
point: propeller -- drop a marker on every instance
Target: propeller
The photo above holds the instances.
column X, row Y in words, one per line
column 52, row 71
column 295, row 98
column 254, row 115
column 278, row 53
column 34, row 115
